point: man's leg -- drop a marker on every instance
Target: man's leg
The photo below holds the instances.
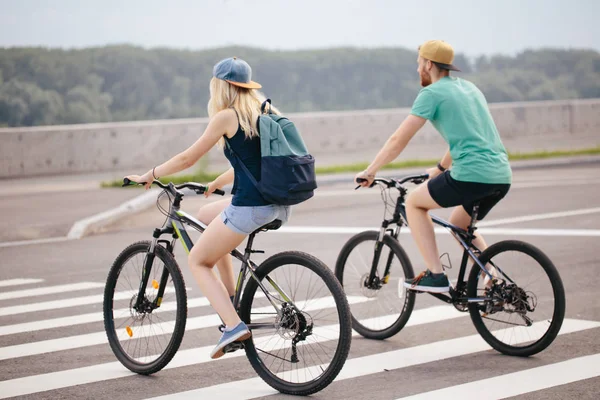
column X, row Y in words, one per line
column 418, row 204
column 462, row 219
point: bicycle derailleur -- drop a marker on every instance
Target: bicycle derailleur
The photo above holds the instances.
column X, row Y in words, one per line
column 295, row 325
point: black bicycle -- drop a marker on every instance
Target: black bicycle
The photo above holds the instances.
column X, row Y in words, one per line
column 291, row 298
column 514, row 293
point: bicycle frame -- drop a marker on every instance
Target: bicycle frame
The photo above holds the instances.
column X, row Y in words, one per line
column 175, row 226
column 463, row 237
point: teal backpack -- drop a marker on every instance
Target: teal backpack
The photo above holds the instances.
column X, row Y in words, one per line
column 287, row 170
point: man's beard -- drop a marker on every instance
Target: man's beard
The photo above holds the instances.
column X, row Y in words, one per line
column 425, row 79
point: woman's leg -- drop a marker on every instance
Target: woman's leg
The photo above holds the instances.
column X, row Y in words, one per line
column 207, row 214
column 418, row 204
column 216, row 242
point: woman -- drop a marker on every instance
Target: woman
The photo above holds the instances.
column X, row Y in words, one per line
column 233, row 108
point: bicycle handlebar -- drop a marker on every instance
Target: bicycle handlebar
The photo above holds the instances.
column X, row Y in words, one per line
column 196, row 187
column 396, row 183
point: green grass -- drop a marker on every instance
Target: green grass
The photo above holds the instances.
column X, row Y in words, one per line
column 357, row 167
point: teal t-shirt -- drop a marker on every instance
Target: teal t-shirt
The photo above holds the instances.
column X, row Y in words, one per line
column 459, row 111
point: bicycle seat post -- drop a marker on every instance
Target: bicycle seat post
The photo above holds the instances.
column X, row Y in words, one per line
column 474, row 216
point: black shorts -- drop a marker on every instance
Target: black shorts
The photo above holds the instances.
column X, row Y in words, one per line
column 448, row 192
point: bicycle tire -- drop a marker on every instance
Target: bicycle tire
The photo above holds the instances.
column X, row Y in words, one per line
column 181, row 311
column 557, row 289
column 409, row 302
column 343, row 313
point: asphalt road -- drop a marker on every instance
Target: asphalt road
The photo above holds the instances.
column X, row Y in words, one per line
column 44, row 354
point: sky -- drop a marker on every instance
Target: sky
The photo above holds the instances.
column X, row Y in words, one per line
column 472, row 27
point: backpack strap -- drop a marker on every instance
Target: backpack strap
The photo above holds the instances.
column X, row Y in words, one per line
column 264, row 106
column 239, row 162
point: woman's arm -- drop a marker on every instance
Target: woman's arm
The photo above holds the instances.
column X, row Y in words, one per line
column 216, row 128
column 224, row 179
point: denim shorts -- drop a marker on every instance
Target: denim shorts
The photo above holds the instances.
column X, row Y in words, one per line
column 247, row 219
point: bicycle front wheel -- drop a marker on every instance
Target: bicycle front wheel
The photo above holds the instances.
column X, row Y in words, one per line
column 525, row 303
column 380, row 308
column 144, row 339
column 306, row 330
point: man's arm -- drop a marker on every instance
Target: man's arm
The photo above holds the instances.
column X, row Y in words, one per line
column 394, row 145
column 445, row 162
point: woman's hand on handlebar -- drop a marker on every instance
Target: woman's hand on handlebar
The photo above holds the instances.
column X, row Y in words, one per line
column 210, row 188
column 364, row 179
column 146, row 179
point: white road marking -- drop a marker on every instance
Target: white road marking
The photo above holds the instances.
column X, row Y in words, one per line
column 66, row 303
column 348, row 230
column 521, row 382
column 34, row 241
column 538, row 217
column 17, row 282
column 255, row 387
column 516, row 185
column 50, row 290
column 91, row 317
column 91, row 339
column 183, row 358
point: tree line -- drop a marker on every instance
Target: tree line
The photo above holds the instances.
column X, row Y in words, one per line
column 40, row 86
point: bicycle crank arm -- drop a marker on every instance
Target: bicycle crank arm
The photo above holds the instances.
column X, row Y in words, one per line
column 262, row 326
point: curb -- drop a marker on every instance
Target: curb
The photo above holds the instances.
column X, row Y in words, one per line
column 94, row 223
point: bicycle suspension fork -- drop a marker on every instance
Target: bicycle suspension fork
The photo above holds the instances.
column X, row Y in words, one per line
column 147, row 269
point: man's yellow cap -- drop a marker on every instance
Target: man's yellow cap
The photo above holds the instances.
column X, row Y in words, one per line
column 440, row 52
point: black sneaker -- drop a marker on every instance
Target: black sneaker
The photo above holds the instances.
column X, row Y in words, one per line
column 425, row 282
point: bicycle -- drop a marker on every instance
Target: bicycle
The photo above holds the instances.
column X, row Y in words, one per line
column 490, row 294
column 306, row 322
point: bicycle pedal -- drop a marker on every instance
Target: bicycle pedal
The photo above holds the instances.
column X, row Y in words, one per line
column 231, row 347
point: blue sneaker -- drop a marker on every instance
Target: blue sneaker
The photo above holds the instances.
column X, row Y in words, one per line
column 239, row 333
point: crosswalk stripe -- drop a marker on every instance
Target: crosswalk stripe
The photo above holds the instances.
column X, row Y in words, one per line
column 50, row 290
column 91, row 339
column 183, row 358
column 88, row 318
column 95, row 317
column 66, row 303
column 255, row 387
column 517, row 383
column 17, row 282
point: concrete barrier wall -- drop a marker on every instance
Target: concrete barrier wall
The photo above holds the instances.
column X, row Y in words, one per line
column 334, row 138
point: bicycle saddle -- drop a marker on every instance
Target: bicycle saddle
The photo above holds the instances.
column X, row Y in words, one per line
column 271, row 226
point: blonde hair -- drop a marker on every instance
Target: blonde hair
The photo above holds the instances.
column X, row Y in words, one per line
column 246, row 103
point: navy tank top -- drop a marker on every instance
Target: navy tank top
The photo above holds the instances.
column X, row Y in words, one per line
column 248, row 149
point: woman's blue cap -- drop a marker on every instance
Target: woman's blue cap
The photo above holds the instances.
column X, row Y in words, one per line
column 235, row 71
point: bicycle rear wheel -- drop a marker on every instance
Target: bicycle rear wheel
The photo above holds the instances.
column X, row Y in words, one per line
column 381, row 309
column 525, row 308
column 301, row 348
column 144, row 340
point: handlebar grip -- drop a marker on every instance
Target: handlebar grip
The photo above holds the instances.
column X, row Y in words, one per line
column 219, row 192
column 129, row 182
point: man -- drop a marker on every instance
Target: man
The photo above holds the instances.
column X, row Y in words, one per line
column 475, row 167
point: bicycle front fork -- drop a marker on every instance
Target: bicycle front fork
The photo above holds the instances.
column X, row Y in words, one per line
column 147, row 269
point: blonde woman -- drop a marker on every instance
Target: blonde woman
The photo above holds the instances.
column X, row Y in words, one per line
column 233, row 108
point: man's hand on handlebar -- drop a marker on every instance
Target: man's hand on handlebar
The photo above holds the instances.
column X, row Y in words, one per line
column 364, row 179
